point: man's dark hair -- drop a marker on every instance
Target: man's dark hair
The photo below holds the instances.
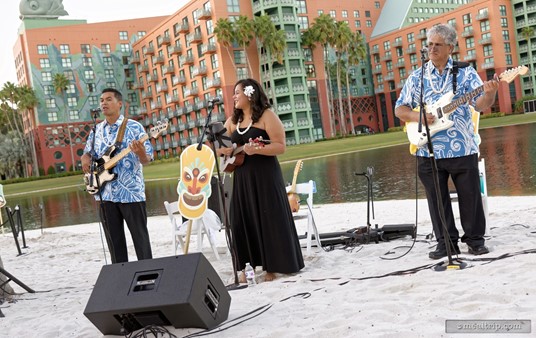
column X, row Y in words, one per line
column 116, row 92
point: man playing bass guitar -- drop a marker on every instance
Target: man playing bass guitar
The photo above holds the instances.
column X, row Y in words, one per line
column 123, row 198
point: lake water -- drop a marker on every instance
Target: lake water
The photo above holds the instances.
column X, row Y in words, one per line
column 509, row 152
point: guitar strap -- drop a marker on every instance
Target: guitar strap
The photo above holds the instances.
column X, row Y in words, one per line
column 455, row 66
column 121, row 133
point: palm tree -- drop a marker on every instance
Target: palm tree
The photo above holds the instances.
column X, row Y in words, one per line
column 342, row 38
column 224, row 31
column 244, row 34
column 12, row 104
column 28, row 100
column 322, row 31
column 528, row 32
column 355, row 53
column 274, row 43
column 61, row 83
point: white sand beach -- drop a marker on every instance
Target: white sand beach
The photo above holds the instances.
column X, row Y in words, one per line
column 351, row 292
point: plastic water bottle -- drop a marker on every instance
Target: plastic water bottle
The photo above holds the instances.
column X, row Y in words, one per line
column 250, row 275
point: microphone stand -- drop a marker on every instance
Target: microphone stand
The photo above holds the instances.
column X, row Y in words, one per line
column 422, row 117
column 102, row 211
column 207, row 129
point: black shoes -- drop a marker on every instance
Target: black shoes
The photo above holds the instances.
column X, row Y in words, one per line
column 441, row 252
column 478, row 250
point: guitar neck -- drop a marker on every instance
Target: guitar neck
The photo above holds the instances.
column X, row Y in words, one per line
column 449, row 108
column 113, row 161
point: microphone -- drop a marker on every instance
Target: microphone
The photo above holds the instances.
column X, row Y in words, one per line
column 96, row 110
column 215, row 100
column 424, row 49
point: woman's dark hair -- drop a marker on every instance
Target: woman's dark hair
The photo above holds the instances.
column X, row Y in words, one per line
column 259, row 101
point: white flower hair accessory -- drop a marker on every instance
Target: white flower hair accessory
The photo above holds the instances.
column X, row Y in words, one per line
column 248, row 91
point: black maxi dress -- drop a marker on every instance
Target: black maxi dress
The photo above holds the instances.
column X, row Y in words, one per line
column 263, row 229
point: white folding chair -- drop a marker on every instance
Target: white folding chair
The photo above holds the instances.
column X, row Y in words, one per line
column 207, row 225
column 307, row 188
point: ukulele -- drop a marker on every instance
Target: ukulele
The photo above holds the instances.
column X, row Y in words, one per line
column 103, row 174
column 229, row 163
column 293, row 197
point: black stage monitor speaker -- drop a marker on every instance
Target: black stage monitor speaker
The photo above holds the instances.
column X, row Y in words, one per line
column 183, row 291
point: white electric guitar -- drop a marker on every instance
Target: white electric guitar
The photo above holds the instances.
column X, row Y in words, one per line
column 103, row 173
column 443, row 107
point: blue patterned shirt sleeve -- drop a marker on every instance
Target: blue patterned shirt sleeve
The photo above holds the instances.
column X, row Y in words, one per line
column 457, row 140
column 129, row 185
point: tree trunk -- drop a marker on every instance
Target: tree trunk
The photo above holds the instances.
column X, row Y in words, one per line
column 6, row 291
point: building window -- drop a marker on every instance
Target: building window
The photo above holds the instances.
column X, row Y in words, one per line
column 333, row 14
column 214, row 61
column 233, row 6
column 110, row 84
column 48, row 90
column 239, row 57
column 504, row 22
column 356, row 14
column 376, row 4
column 107, row 61
column 64, row 49
column 71, row 89
column 369, row 23
column 72, row 101
column 66, row 62
column 470, row 43
column 52, row 116
column 241, row 72
column 46, row 76
column 502, row 10
column 87, row 61
column 506, row 35
column 303, row 21
column 320, row 12
column 302, row 7
column 74, row 115
column 467, row 19
column 69, row 75
column 85, row 49
column 109, row 73
column 488, row 50
column 123, row 35
column 344, row 13
column 367, row 14
column 484, row 26
column 125, row 47
column 509, row 59
column 44, row 63
column 89, row 74
column 42, row 49
column 411, row 37
column 105, row 47
column 50, row 103
column 210, row 27
column 93, row 100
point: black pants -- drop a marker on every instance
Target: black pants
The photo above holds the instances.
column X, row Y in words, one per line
column 465, row 175
column 135, row 215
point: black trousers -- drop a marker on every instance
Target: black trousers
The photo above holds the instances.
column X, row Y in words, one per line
column 465, row 175
column 135, row 215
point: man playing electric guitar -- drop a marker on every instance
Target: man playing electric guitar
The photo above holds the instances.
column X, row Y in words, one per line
column 454, row 148
column 123, row 198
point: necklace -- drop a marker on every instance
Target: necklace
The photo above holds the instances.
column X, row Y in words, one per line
column 246, row 130
column 429, row 74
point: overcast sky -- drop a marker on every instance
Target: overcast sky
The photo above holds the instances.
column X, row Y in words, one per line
column 92, row 11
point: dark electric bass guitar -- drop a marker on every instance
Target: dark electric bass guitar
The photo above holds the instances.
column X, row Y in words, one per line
column 103, row 174
column 445, row 106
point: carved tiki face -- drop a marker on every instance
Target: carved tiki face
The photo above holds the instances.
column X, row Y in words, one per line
column 194, row 187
